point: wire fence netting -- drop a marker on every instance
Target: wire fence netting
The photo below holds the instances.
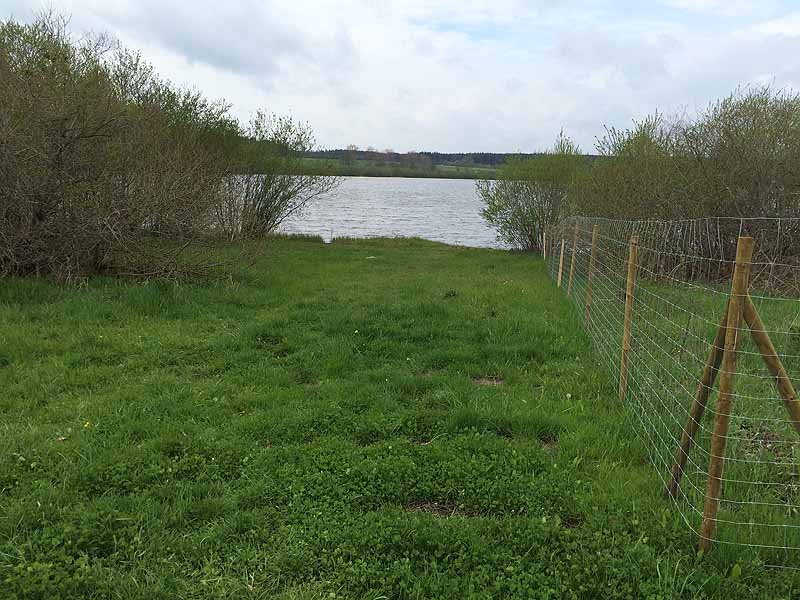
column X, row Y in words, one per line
column 678, row 323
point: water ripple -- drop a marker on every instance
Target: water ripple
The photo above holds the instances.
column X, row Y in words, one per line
column 442, row 210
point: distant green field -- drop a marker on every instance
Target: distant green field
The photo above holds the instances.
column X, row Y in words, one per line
column 365, row 168
column 363, row 419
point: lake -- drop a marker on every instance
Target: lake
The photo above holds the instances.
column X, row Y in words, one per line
column 442, row 210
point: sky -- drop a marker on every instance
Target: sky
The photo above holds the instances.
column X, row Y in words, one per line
column 454, row 75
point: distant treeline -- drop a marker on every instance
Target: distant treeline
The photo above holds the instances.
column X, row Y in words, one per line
column 383, row 168
column 489, row 159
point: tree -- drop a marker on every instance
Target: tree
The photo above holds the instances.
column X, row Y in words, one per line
column 351, row 153
column 268, row 183
column 531, row 194
column 103, row 166
column 737, row 158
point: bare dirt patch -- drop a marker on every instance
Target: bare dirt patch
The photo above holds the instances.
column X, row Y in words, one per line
column 440, row 509
column 550, row 446
column 758, row 439
column 572, row 521
column 488, row 380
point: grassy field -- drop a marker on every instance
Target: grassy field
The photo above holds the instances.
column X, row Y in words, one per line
column 366, row 168
column 366, row 419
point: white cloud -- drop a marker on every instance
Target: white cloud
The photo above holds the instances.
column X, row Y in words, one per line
column 728, row 8
column 788, row 25
column 501, row 75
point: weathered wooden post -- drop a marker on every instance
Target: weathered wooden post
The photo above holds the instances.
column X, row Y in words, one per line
column 544, row 244
column 590, row 277
column 633, row 252
column 738, row 297
column 561, row 263
column 572, row 262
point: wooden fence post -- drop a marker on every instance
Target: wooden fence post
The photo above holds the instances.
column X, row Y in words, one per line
column 572, row 262
column 544, row 245
column 561, row 263
column 741, row 277
column 590, row 276
column 626, row 330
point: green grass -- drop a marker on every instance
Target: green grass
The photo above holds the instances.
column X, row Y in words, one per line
column 324, row 428
column 367, row 168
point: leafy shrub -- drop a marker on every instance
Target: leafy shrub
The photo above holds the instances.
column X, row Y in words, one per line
column 106, row 167
column 531, row 194
column 270, row 183
column 736, row 158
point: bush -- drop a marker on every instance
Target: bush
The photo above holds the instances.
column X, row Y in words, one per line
column 531, row 194
column 104, row 167
column 737, row 158
column 269, row 183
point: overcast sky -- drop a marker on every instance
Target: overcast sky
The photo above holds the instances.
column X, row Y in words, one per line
column 454, row 75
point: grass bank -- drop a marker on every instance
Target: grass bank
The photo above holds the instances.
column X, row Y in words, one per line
column 364, row 419
column 368, row 168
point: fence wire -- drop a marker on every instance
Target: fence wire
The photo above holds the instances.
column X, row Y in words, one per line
column 682, row 287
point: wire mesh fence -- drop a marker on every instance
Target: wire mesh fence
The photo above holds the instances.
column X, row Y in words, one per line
column 699, row 320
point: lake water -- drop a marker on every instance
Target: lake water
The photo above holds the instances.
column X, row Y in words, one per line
column 442, row 210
